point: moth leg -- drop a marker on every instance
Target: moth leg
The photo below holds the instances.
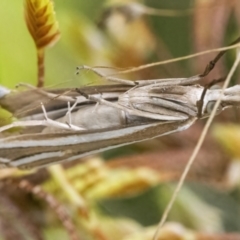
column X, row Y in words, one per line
column 31, row 123
column 52, row 123
column 46, row 122
column 109, row 78
column 160, row 82
column 210, row 66
column 48, row 94
column 68, row 114
column 95, row 107
column 70, row 108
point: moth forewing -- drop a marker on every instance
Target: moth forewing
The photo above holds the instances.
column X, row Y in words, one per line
column 116, row 115
column 37, row 150
column 27, row 102
column 108, row 125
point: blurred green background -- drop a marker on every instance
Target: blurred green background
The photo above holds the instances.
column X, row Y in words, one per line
column 82, row 42
column 210, row 202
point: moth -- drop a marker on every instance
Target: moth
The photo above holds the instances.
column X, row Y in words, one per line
column 67, row 124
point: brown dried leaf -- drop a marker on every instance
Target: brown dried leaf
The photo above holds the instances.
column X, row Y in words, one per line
column 210, row 20
column 210, row 165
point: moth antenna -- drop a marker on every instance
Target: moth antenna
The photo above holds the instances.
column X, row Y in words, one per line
column 82, row 93
column 210, row 66
column 83, row 67
column 109, row 78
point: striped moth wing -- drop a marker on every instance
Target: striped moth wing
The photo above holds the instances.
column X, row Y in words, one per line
column 104, row 127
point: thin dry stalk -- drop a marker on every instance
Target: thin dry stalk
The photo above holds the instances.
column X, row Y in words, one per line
column 54, row 204
column 134, row 69
column 196, row 150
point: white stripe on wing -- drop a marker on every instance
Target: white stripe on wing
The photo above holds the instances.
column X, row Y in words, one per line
column 36, row 157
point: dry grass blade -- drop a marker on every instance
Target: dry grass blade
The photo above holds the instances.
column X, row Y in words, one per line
column 134, row 69
column 43, row 27
column 196, row 150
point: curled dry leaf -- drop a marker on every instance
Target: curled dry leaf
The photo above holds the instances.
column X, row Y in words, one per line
column 41, row 22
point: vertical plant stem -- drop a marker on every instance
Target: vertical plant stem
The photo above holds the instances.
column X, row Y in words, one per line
column 41, row 70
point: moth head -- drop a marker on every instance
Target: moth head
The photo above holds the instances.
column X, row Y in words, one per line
column 210, row 106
